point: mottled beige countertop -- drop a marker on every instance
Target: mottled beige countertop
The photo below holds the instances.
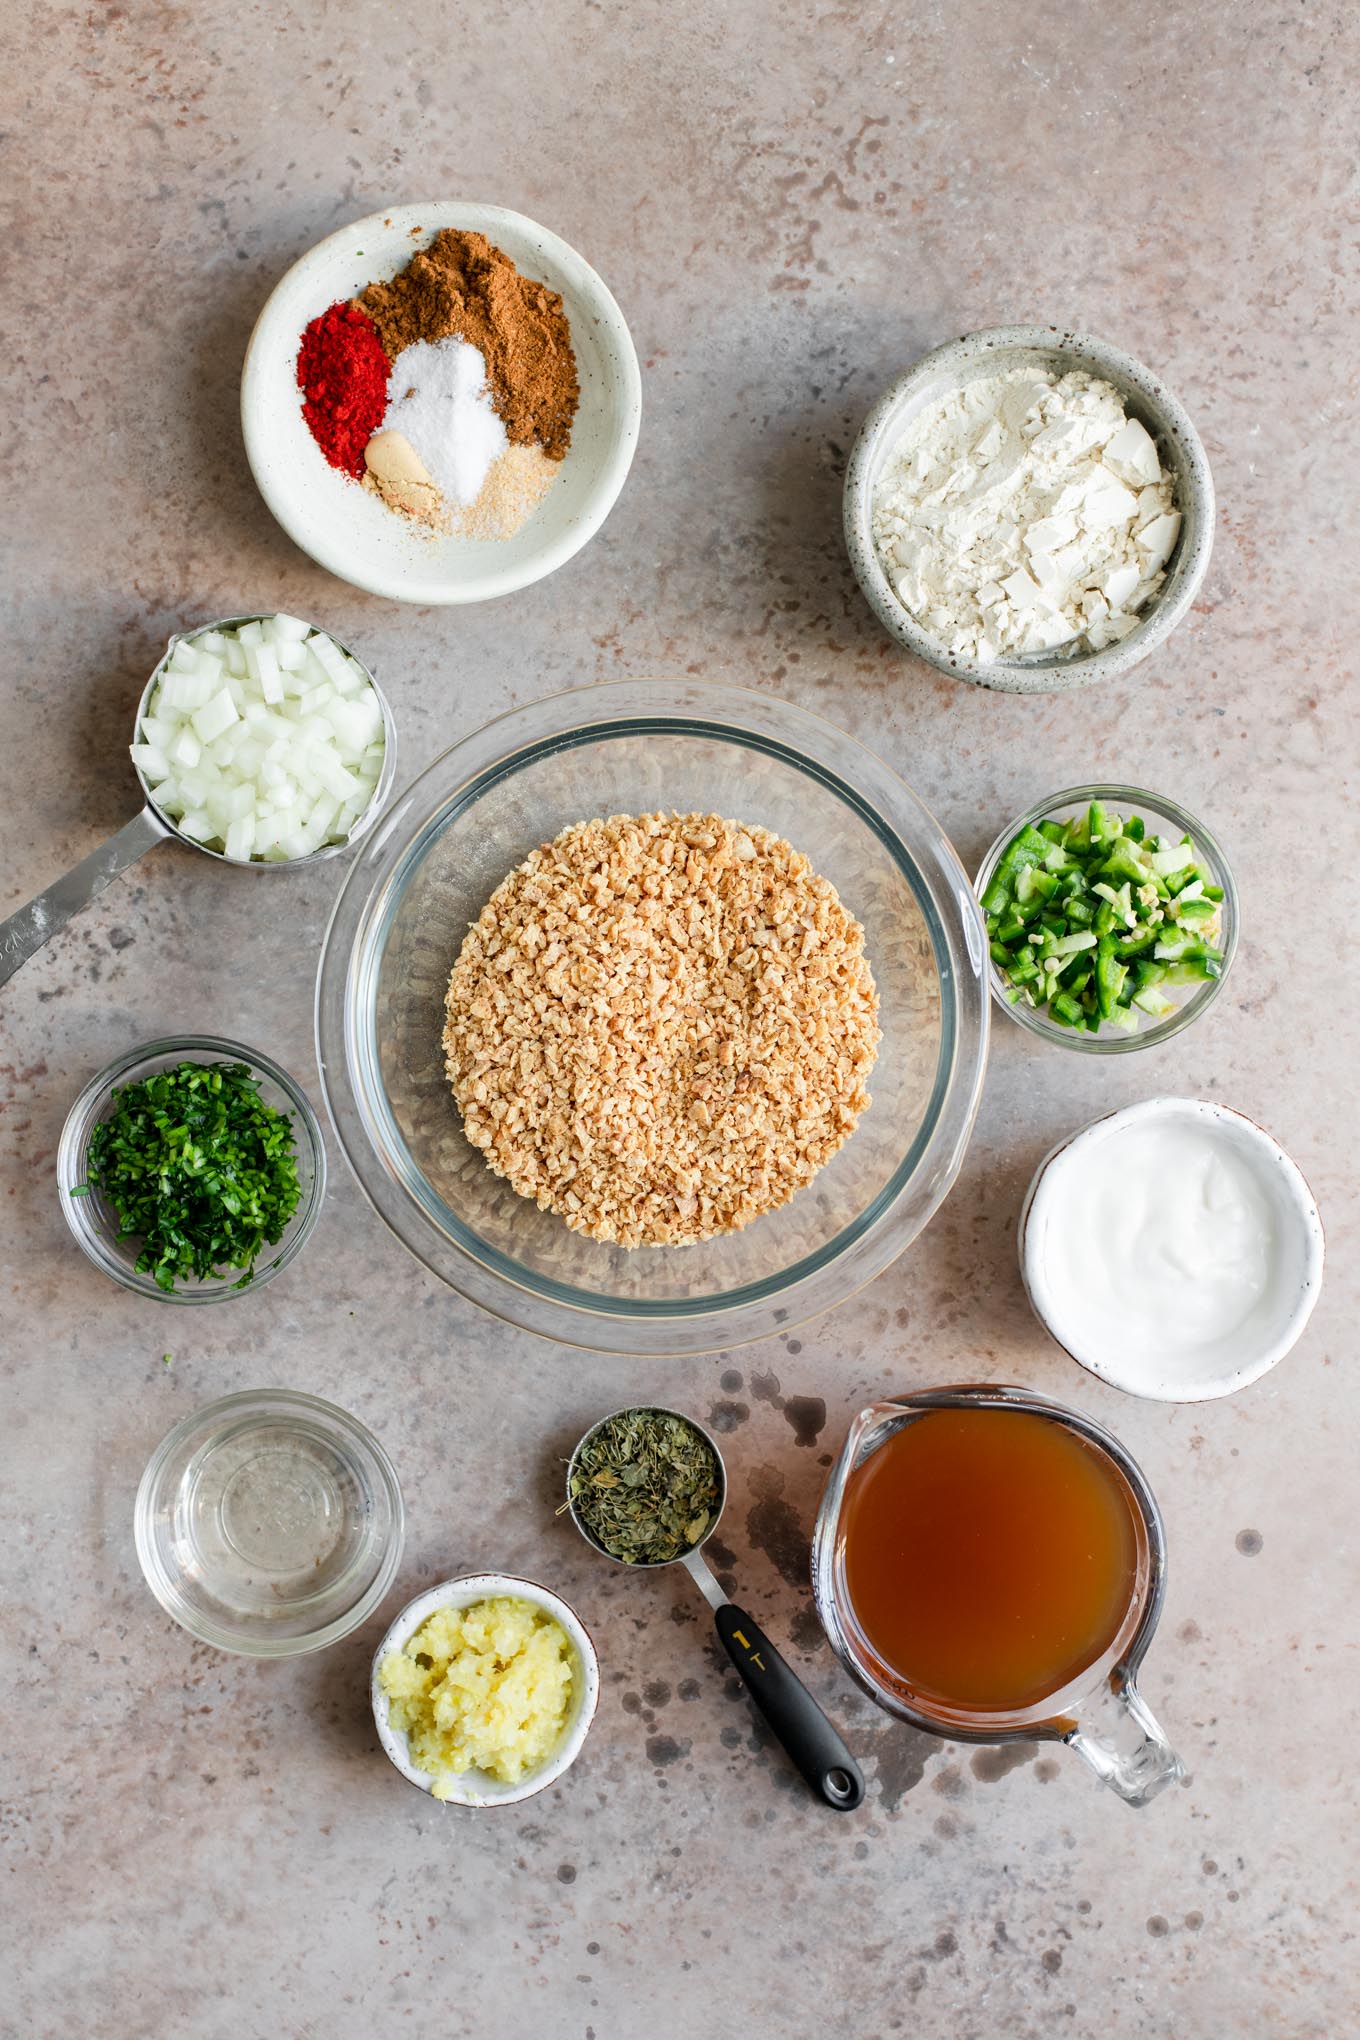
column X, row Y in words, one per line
column 791, row 204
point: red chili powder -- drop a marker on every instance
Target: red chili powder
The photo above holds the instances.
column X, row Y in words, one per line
column 342, row 372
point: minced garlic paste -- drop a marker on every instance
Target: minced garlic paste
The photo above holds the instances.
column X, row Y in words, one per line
column 487, row 1687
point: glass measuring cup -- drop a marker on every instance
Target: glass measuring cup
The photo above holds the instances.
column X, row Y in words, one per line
column 1100, row 1713
column 29, row 927
column 811, row 1742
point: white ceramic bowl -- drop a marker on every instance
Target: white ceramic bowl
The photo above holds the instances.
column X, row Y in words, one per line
column 476, row 1788
column 1270, row 1330
column 346, row 528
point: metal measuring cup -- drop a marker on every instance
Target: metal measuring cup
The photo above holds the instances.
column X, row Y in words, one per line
column 28, row 928
column 798, row 1723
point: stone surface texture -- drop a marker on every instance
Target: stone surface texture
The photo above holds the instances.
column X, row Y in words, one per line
column 791, row 204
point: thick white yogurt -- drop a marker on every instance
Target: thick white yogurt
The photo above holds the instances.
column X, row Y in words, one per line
column 1166, row 1248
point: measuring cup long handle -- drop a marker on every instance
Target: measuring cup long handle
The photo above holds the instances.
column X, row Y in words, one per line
column 813, row 1744
column 28, row 929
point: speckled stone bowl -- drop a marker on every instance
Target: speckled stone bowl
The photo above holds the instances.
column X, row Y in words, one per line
column 1262, row 1342
column 992, row 353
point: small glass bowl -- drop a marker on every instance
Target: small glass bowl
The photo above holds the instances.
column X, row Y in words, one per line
column 269, row 1523
column 1163, row 817
column 93, row 1220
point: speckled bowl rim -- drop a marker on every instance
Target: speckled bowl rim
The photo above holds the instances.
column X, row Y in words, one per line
column 1301, row 1202
column 277, row 326
column 459, row 1593
column 961, row 360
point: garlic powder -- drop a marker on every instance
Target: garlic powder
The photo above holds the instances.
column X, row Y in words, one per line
column 1024, row 512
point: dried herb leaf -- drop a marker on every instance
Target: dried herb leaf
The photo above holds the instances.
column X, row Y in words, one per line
column 647, row 1486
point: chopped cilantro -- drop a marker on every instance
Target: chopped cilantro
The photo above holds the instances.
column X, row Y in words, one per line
column 197, row 1167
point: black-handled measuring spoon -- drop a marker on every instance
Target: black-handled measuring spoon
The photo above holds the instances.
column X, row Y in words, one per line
column 813, row 1745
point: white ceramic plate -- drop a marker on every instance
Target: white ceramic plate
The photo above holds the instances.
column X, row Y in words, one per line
column 1270, row 1330
column 349, row 530
column 477, row 1788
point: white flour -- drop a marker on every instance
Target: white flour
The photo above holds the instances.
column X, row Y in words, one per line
column 1025, row 511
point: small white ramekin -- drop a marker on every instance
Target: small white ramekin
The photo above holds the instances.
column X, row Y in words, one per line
column 1292, row 1201
column 349, row 531
column 476, row 1788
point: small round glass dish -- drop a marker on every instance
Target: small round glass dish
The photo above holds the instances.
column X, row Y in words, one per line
column 94, row 1222
column 1163, row 817
column 269, row 1523
column 633, row 747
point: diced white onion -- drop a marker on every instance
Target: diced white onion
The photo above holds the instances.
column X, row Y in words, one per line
column 182, row 692
column 153, row 762
column 160, row 731
column 216, row 715
column 266, row 742
column 241, row 839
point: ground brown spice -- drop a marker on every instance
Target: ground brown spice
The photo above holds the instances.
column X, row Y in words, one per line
column 462, row 284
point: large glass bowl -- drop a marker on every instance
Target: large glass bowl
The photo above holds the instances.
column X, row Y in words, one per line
column 631, row 747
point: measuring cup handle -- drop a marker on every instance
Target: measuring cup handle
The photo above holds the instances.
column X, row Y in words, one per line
column 28, row 929
column 1124, row 1743
column 798, row 1722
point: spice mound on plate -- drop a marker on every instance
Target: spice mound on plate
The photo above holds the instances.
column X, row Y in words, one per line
column 1025, row 512
column 661, row 1027
column 342, row 371
column 450, row 390
column 461, row 287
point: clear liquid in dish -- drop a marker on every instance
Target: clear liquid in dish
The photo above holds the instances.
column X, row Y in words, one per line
column 270, row 1517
